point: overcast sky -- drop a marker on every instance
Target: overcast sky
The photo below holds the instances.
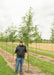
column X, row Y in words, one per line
column 11, row 11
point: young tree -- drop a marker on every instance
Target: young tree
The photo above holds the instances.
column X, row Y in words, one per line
column 52, row 33
column 6, row 38
column 37, row 35
column 2, row 37
column 12, row 34
column 25, row 31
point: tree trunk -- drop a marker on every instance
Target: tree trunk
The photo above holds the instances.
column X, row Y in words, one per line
column 28, row 57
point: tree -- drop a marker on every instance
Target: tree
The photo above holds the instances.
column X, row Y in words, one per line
column 2, row 37
column 25, row 31
column 52, row 33
column 6, row 37
column 12, row 33
column 37, row 35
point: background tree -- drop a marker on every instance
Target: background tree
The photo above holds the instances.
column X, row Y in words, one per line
column 37, row 35
column 2, row 37
column 52, row 33
column 12, row 34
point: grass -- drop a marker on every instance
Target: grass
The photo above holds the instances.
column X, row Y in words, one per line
column 46, row 67
column 4, row 68
column 41, row 53
column 15, row 45
column 12, row 45
column 9, row 44
column 8, row 49
column 36, row 48
column 41, row 49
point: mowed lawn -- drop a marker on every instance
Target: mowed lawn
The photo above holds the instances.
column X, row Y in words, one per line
column 4, row 68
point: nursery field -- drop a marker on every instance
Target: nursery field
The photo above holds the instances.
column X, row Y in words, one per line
column 29, row 23
column 41, row 59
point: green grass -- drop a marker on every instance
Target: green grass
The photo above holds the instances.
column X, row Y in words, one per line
column 32, row 48
column 41, row 49
column 15, row 45
column 38, row 49
column 8, row 49
column 46, row 67
column 41, row 53
column 4, row 68
column 10, row 44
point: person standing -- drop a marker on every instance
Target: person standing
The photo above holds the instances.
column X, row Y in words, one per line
column 21, row 53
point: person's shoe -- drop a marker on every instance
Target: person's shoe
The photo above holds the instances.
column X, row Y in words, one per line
column 21, row 73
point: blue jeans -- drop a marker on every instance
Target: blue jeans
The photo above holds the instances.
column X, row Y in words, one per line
column 19, row 60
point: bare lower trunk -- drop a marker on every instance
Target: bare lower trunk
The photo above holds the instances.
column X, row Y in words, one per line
column 28, row 57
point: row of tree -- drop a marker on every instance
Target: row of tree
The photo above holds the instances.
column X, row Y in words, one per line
column 52, row 33
column 25, row 32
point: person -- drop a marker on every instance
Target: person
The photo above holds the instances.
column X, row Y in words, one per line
column 21, row 53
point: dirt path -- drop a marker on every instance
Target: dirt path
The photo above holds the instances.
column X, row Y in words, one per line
column 43, row 57
column 10, row 60
column 46, row 58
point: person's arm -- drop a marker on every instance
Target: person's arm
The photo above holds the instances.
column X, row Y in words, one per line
column 15, row 54
column 25, row 53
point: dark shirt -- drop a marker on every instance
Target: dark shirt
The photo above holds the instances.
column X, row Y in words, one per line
column 20, row 51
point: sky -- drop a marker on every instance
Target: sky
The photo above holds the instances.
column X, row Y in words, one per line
column 12, row 11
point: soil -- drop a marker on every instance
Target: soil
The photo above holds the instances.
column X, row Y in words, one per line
column 46, row 58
